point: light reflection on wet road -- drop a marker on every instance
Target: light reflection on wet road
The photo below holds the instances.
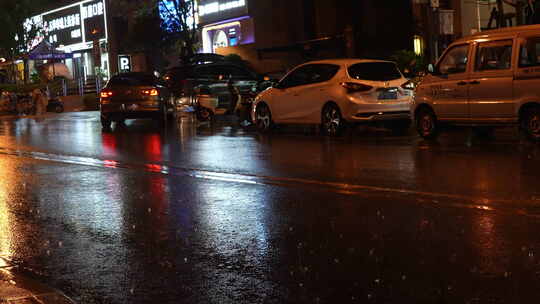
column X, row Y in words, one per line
column 201, row 214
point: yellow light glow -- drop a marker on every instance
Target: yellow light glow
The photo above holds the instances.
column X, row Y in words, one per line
column 418, row 45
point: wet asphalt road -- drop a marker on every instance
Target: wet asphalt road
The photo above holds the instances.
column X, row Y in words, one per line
column 220, row 214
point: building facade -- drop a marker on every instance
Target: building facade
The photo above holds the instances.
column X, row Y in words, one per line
column 89, row 30
column 276, row 34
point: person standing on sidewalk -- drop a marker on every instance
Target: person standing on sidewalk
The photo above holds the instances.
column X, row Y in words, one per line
column 39, row 98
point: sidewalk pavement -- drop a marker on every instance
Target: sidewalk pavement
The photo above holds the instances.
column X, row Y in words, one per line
column 19, row 289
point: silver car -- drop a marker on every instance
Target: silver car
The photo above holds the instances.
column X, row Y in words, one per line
column 337, row 92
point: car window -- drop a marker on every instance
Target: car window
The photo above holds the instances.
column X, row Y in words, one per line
column 322, row 72
column 209, row 72
column 529, row 53
column 308, row 74
column 455, row 61
column 237, row 73
column 133, row 80
column 374, row 71
column 493, row 55
column 298, row 77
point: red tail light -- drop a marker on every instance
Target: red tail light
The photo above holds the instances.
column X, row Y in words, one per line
column 106, row 94
column 151, row 92
column 353, row 87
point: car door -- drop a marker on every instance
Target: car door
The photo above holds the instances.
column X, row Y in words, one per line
column 448, row 85
column 309, row 99
column 491, row 81
column 527, row 76
column 283, row 106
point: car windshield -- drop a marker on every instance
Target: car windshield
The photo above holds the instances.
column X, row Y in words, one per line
column 374, row 71
column 133, row 80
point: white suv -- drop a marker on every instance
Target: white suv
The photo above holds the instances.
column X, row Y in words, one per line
column 487, row 80
column 336, row 92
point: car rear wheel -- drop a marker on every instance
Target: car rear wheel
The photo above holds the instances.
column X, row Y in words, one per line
column 426, row 124
column 105, row 123
column 531, row 123
column 264, row 118
column 332, row 121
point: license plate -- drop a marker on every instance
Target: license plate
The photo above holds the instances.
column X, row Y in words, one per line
column 390, row 94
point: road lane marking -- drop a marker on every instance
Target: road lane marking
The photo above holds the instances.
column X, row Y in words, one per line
column 421, row 197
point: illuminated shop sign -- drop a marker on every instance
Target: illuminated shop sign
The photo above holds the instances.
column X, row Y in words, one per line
column 210, row 11
column 74, row 24
column 216, row 7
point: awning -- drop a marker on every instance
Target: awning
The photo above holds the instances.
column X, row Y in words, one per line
column 45, row 51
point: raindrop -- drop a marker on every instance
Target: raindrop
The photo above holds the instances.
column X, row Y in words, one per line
column 523, row 248
column 369, row 296
column 449, row 287
column 378, row 213
column 133, row 226
column 506, row 274
column 382, row 217
column 60, row 244
column 371, row 252
column 149, row 210
column 377, row 281
column 132, row 290
column 301, row 285
column 185, row 260
column 292, row 273
column 403, row 277
column 336, row 261
column 48, row 252
column 291, row 229
column 353, row 298
column 531, row 254
column 340, row 235
column 306, row 269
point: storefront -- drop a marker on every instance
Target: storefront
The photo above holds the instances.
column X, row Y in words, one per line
column 225, row 23
column 81, row 29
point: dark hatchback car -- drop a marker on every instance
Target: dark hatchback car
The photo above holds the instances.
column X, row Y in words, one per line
column 214, row 77
column 134, row 96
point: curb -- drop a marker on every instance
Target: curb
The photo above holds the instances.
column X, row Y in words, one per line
column 17, row 288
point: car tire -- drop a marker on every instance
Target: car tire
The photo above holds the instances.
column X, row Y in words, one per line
column 264, row 121
column 531, row 123
column 106, row 123
column 332, row 123
column 426, row 124
column 204, row 114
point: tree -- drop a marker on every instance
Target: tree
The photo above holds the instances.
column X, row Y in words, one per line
column 178, row 24
column 17, row 33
